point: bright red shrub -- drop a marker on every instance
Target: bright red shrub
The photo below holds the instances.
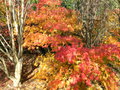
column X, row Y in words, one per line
column 91, row 62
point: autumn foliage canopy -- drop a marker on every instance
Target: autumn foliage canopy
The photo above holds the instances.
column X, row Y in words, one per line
column 78, row 67
column 68, row 64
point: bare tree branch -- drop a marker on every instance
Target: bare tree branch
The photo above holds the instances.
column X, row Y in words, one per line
column 7, row 54
column 5, row 66
column 5, row 41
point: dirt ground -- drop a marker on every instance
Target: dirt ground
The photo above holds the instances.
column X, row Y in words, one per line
column 28, row 85
column 27, row 82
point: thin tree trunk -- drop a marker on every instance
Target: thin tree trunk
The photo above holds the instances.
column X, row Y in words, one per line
column 18, row 71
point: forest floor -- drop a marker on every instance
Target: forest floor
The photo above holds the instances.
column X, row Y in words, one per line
column 28, row 85
column 27, row 82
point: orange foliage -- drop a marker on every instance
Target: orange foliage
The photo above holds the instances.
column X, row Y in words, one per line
column 36, row 39
column 50, row 20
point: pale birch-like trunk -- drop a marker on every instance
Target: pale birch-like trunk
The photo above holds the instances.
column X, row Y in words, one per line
column 18, row 69
column 15, row 16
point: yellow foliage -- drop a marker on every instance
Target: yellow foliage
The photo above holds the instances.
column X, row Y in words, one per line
column 46, row 66
column 107, row 79
column 112, row 40
column 2, row 14
column 113, row 26
column 52, row 71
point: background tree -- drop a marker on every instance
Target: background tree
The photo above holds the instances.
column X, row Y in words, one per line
column 68, row 4
column 94, row 15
